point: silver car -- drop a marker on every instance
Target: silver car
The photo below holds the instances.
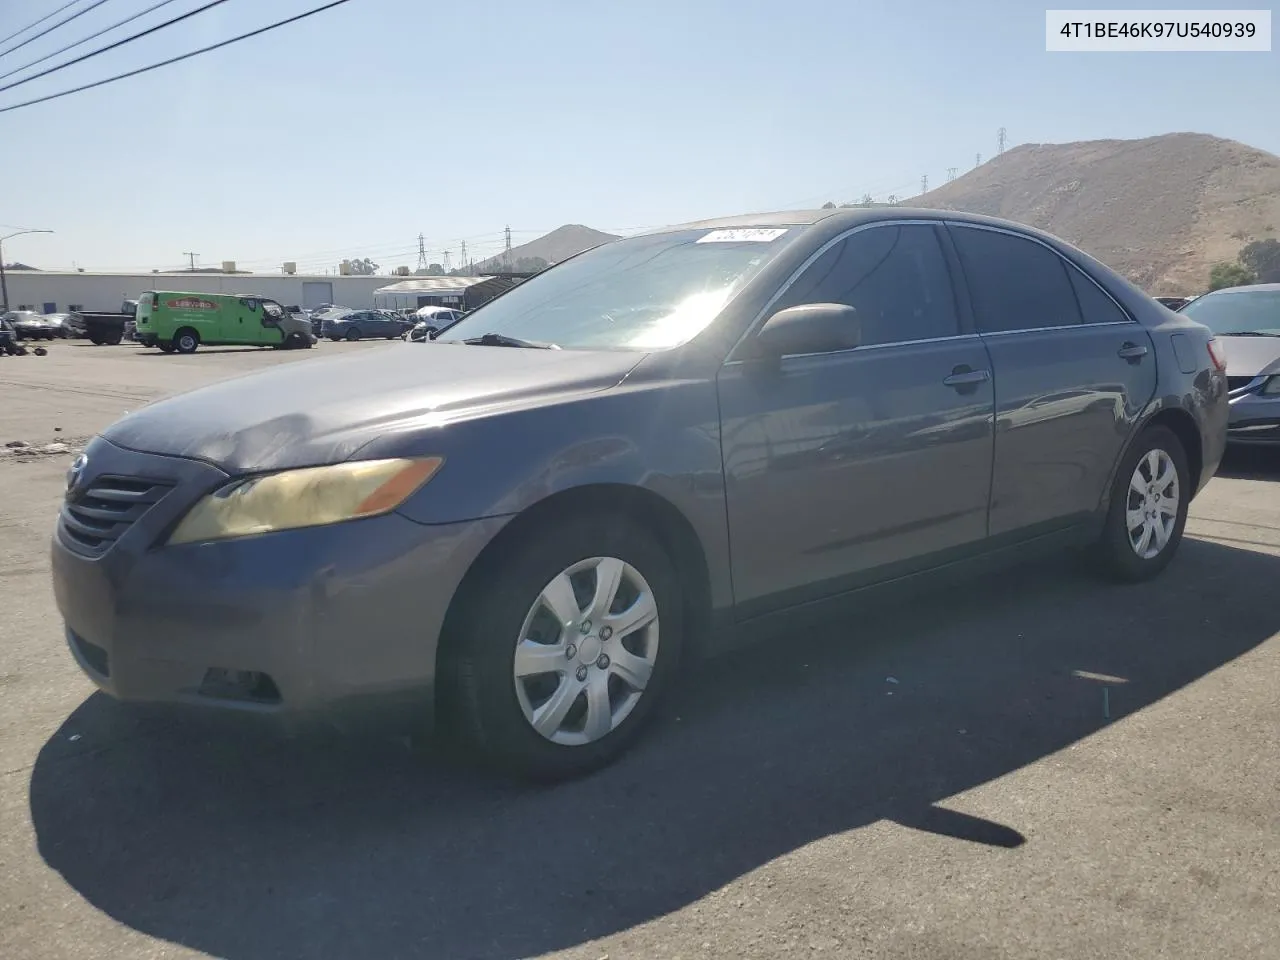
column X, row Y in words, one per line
column 1246, row 321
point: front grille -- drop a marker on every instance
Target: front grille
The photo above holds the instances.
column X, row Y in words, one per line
column 96, row 517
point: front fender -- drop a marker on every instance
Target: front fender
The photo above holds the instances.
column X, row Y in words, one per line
column 663, row 437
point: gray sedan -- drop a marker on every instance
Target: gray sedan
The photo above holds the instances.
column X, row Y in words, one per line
column 362, row 324
column 1246, row 321
column 651, row 451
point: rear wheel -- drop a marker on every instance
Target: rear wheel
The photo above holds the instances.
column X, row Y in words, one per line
column 558, row 659
column 186, row 340
column 1148, row 508
column 353, row 334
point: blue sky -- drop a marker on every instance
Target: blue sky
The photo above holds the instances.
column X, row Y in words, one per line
column 351, row 132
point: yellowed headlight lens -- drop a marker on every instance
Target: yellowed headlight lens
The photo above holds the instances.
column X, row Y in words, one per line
column 309, row 497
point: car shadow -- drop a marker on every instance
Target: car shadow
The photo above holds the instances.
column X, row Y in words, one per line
column 252, row 848
column 1250, row 463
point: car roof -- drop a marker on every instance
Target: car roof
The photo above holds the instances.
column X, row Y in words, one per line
column 842, row 217
column 1247, row 288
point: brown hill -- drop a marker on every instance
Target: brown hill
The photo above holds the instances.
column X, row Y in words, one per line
column 1161, row 210
column 560, row 244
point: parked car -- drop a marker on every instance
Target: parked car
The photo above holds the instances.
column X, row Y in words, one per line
column 181, row 322
column 647, row 452
column 1246, row 321
column 318, row 315
column 1174, row 303
column 65, row 325
column 360, row 325
column 29, row 325
column 432, row 322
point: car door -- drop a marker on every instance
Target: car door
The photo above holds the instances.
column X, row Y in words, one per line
column 1072, row 373
column 268, row 326
column 843, row 467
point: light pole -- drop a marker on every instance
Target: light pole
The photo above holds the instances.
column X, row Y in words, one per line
column 4, row 285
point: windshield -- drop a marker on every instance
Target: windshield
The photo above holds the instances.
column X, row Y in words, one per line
column 642, row 293
column 1240, row 311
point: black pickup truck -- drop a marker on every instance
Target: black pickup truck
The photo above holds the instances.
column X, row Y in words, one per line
column 105, row 327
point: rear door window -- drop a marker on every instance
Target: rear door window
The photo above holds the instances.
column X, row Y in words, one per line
column 1015, row 283
column 894, row 276
column 1095, row 305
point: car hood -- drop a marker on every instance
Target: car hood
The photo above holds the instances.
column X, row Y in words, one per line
column 318, row 411
column 1251, row 356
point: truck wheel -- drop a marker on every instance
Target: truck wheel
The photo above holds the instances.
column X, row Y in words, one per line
column 186, row 340
column 114, row 339
column 96, row 341
column 166, row 346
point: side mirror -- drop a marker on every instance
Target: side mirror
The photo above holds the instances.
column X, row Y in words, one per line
column 809, row 328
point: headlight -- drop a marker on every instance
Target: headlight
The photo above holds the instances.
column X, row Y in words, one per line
column 1272, row 387
column 305, row 498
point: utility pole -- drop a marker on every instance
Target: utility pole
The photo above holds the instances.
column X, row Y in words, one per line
column 1000, row 137
column 506, row 252
column 422, row 253
column 951, row 173
column 924, row 184
column 462, row 258
column 192, row 258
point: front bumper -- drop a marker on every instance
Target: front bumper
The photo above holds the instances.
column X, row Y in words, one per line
column 1254, row 419
column 343, row 621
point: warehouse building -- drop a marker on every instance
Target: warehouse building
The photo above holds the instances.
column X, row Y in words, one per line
column 464, row 293
column 51, row 292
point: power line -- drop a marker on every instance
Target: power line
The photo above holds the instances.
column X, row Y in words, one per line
column 54, row 13
column 92, row 36
column 50, row 29
column 111, row 46
column 177, row 59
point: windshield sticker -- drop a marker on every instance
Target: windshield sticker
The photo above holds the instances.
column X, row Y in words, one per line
column 752, row 235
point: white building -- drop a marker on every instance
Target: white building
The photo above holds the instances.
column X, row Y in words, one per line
column 47, row 291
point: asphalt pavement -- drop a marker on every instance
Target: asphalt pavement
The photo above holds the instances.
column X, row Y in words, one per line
column 1031, row 765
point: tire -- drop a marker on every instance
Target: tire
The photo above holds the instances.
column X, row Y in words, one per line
column 114, row 339
column 491, row 708
column 353, row 334
column 1136, row 496
column 186, row 340
column 294, row 341
column 97, row 341
column 166, row 346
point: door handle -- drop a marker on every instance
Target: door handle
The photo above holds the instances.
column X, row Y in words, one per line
column 1133, row 352
column 962, row 376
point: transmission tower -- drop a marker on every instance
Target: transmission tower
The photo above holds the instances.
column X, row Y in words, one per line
column 924, row 184
column 462, row 259
column 422, row 253
column 951, row 173
column 1000, row 137
column 506, row 252
column 977, row 160
column 446, row 261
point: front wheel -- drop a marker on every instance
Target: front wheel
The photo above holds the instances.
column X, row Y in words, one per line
column 186, row 340
column 1148, row 510
column 558, row 658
